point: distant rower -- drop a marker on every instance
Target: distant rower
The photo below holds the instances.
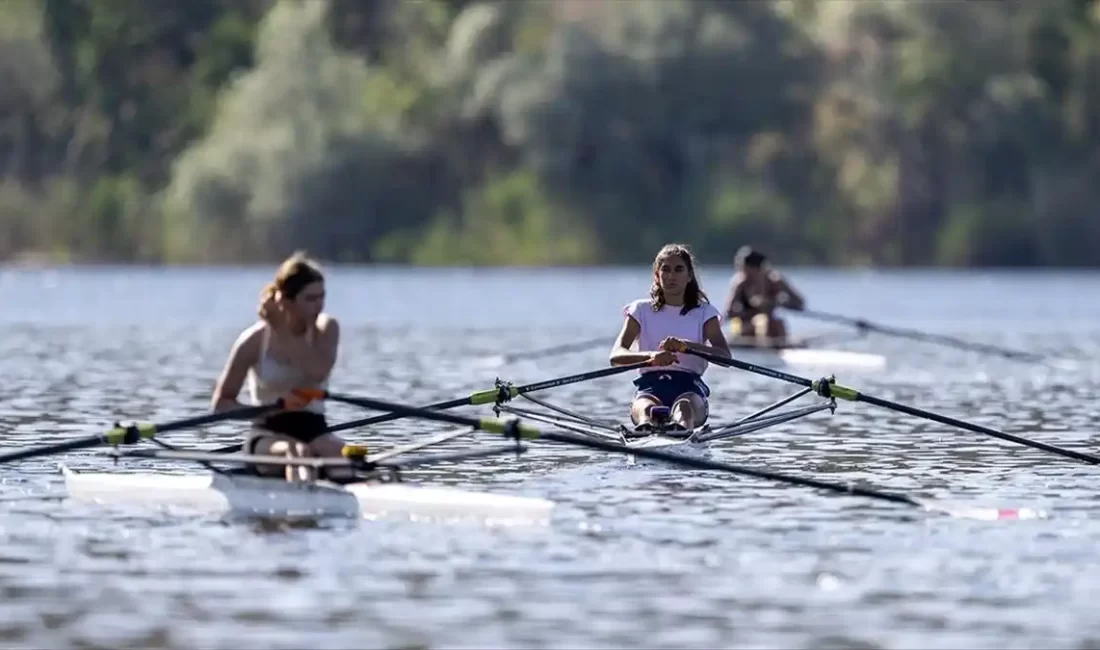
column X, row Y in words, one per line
column 755, row 292
column 292, row 345
column 676, row 316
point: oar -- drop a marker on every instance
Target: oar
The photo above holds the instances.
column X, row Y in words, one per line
column 502, row 393
column 414, row 446
column 942, row 339
column 517, row 430
column 318, row 462
column 829, row 388
column 131, row 434
column 551, row 351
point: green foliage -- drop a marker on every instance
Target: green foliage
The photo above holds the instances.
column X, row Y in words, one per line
column 510, row 219
column 572, row 132
column 237, row 192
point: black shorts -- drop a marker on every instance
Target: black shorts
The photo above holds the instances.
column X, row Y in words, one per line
column 667, row 387
column 303, row 426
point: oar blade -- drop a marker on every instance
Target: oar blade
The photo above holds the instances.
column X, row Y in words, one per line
column 983, row 513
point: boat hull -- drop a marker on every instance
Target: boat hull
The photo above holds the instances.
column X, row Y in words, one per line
column 254, row 496
column 822, row 358
column 678, row 446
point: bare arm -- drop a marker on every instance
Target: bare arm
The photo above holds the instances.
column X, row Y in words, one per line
column 317, row 360
column 792, row 299
column 244, row 353
column 733, row 306
column 715, row 340
column 620, row 353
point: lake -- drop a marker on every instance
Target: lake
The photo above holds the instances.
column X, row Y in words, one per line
column 641, row 556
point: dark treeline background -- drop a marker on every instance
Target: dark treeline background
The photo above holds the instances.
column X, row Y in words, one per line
column 572, row 132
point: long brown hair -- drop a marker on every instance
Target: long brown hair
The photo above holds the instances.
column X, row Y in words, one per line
column 693, row 293
column 295, row 273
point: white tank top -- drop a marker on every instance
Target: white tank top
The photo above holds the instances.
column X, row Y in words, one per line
column 269, row 379
column 656, row 326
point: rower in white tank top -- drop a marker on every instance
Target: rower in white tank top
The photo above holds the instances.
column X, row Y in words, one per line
column 656, row 326
column 293, row 322
column 269, row 379
column 674, row 321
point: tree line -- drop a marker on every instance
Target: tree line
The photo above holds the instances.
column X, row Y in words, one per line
column 895, row 132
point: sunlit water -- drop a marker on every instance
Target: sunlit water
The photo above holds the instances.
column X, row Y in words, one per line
column 635, row 557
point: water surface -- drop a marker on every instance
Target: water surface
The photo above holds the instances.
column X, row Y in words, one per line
column 647, row 556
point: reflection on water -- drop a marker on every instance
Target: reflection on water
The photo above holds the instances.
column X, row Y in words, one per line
column 643, row 556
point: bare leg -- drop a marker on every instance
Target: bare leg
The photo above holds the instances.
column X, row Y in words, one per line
column 331, row 446
column 689, row 411
column 275, row 445
column 639, row 409
column 777, row 330
column 761, row 324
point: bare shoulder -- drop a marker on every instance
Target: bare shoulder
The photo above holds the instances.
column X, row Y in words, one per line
column 635, row 308
column 327, row 324
column 250, row 336
column 246, row 349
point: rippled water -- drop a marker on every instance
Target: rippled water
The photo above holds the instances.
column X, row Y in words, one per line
column 645, row 556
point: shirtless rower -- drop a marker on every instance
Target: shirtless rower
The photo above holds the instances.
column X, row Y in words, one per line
column 293, row 345
column 676, row 317
column 755, row 291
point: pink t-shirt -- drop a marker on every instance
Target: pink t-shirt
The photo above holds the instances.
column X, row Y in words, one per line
column 659, row 325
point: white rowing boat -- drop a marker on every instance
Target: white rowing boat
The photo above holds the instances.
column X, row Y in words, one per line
column 807, row 357
column 250, row 495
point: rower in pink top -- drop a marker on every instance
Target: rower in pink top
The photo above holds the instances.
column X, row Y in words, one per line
column 676, row 317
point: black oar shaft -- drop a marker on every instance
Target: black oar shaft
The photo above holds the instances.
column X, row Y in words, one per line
column 752, row 367
column 58, row 448
column 557, row 349
column 977, row 428
column 498, row 426
column 243, row 413
column 406, row 411
column 389, row 417
column 124, row 434
column 917, row 335
column 703, row 463
column 501, row 393
column 572, row 379
column 830, row 389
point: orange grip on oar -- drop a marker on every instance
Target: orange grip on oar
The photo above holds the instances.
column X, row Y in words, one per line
column 310, row 394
